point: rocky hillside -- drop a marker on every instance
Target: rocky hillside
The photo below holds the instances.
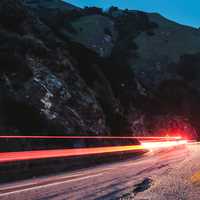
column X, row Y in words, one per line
column 66, row 70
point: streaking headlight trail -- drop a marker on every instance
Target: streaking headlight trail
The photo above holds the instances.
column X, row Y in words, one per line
column 166, row 144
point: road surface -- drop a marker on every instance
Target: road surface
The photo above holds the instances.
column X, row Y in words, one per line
column 169, row 174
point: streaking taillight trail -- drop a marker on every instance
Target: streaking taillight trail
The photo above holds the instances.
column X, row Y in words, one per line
column 88, row 137
column 146, row 143
column 44, row 154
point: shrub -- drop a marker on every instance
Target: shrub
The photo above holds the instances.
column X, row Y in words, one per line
column 12, row 14
column 188, row 67
column 92, row 11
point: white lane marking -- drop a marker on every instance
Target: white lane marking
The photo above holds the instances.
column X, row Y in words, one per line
column 39, row 182
column 60, row 177
column 50, row 179
column 50, row 184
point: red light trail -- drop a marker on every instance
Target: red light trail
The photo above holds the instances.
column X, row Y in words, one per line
column 87, row 137
column 146, row 144
column 44, row 154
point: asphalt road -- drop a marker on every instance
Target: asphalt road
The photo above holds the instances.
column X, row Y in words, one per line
column 169, row 174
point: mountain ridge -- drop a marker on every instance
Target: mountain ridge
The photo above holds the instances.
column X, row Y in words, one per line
column 93, row 72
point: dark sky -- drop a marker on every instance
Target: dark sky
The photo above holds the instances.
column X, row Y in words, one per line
column 182, row 11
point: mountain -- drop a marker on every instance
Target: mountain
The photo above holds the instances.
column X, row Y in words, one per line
column 49, row 4
column 68, row 70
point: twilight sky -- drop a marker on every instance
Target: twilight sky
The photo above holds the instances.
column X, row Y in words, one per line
column 182, row 11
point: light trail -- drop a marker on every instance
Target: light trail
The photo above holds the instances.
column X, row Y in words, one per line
column 147, row 143
column 44, row 154
column 166, row 144
column 88, row 137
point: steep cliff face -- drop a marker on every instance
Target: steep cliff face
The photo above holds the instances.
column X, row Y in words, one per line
column 41, row 90
column 81, row 71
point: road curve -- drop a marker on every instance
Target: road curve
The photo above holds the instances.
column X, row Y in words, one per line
column 123, row 180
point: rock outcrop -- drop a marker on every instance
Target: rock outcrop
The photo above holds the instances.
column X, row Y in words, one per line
column 41, row 90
